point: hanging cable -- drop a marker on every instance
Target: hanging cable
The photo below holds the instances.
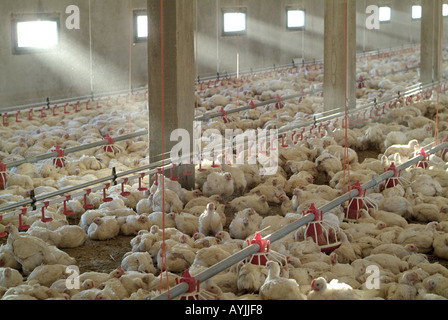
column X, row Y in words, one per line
column 131, row 29
column 346, row 159
column 436, row 131
column 162, row 104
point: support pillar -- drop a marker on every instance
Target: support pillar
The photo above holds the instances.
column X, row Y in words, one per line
column 338, row 58
column 170, row 45
column 430, row 40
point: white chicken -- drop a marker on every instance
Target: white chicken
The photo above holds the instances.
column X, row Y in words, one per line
column 210, row 221
column 219, row 183
column 132, row 224
column 279, row 288
column 31, row 251
column 251, row 277
column 258, row 203
column 245, row 223
column 72, row 236
column 104, row 228
column 10, row 277
column 335, row 290
column 138, row 261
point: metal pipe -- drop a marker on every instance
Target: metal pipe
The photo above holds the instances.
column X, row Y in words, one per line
column 254, row 248
column 50, row 155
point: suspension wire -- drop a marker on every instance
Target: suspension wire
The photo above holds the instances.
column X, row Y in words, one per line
column 162, row 73
column 346, row 158
column 131, row 29
column 436, row 131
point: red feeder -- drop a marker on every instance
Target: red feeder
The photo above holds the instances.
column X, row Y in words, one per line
column 59, row 161
column 357, row 203
column 323, row 233
column 110, row 144
column 17, row 117
column 44, row 219
column 140, row 188
column 30, row 117
column 22, row 227
column 5, row 121
column 86, row 205
column 279, row 104
column 396, row 179
column 76, row 107
column 254, row 106
column 65, row 108
column 186, row 173
column 425, row 162
column 284, row 144
column 173, row 178
column 106, row 199
column 124, row 193
column 264, row 255
column 87, row 105
column 3, row 178
column 54, row 110
column 444, row 151
column 67, row 212
column 194, row 292
column 42, row 114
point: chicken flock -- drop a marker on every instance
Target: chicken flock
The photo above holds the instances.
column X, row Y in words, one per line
column 173, row 229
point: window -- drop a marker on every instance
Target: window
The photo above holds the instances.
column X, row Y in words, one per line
column 140, row 26
column 416, row 12
column 38, row 33
column 295, row 19
column 445, row 10
column 234, row 21
column 385, row 14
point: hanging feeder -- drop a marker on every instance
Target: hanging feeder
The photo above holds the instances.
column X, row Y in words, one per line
column 264, row 255
column 45, row 219
column 67, row 212
column 105, row 198
column 194, row 292
column 323, row 233
column 444, row 151
column 172, row 177
column 5, row 120
column 110, row 144
column 425, row 162
column 30, row 116
column 86, row 205
column 2, row 234
column 22, row 227
column 361, row 201
column 140, row 188
column 3, row 176
column 17, row 117
column 395, row 180
column 124, row 193
column 59, row 160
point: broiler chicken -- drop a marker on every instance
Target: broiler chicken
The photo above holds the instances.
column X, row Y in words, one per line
column 221, row 183
column 31, row 251
column 210, row 221
column 276, row 287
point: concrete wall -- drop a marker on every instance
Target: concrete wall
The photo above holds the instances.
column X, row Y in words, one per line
column 66, row 73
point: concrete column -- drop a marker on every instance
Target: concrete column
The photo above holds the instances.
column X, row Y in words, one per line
column 178, row 78
column 337, row 19
column 430, row 40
